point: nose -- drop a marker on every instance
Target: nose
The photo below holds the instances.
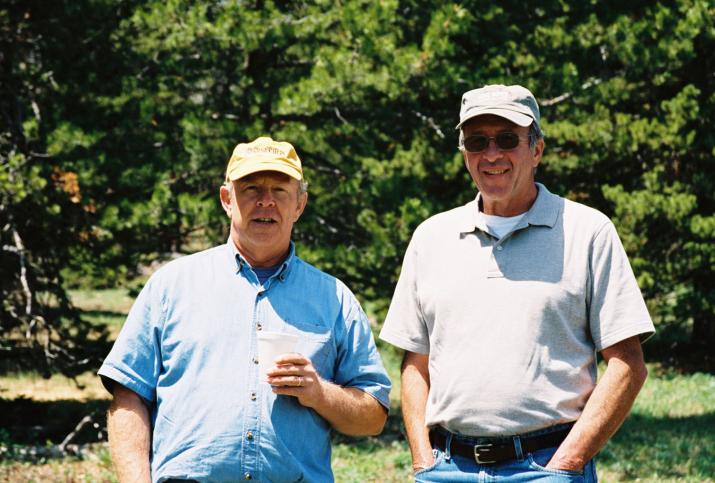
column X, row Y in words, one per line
column 265, row 198
column 492, row 153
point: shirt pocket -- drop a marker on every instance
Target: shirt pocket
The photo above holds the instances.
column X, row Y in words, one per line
column 315, row 343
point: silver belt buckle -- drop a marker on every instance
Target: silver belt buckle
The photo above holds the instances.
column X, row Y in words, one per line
column 482, row 448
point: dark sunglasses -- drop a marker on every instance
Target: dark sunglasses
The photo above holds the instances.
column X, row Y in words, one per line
column 504, row 141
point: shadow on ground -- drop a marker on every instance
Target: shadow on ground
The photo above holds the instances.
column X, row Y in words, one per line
column 29, row 422
column 668, row 447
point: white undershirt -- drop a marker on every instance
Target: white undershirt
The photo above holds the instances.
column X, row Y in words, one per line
column 501, row 225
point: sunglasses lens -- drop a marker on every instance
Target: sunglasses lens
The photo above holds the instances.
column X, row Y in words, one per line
column 477, row 143
column 507, row 140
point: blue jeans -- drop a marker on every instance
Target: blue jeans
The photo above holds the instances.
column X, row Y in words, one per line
column 530, row 467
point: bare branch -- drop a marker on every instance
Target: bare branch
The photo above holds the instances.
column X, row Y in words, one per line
column 593, row 81
column 36, row 110
column 85, row 420
column 430, row 122
column 339, row 116
column 10, row 248
column 20, row 247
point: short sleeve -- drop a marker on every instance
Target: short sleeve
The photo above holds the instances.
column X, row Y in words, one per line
column 358, row 363
column 404, row 325
column 617, row 310
column 135, row 358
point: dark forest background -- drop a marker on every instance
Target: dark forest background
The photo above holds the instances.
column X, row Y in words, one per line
column 117, row 119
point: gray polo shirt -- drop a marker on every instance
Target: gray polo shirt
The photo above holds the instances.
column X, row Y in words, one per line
column 512, row 325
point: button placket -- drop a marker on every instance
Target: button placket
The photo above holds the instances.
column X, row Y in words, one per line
column 253, row 409
column 494, row 271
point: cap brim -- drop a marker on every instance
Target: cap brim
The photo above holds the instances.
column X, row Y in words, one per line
column 516, row 117
column 245, row 168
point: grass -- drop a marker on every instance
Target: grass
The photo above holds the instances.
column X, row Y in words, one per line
column 96, row 466
column 668, row 437
column 104, row 307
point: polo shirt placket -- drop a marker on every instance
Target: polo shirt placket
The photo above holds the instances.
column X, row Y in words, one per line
column 499, row 250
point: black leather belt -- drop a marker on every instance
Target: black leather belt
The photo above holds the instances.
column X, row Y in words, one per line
column 486, row 451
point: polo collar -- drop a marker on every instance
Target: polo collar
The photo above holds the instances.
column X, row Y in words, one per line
column 544, row 212
column 546, row 208
column 469, row 218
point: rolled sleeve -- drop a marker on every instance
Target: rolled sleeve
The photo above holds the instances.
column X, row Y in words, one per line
column 135, row 358
column 358, row 363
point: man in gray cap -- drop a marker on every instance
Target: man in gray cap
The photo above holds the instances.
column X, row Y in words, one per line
column 501, row 307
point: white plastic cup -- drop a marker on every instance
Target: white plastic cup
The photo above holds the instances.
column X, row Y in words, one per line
column 270, row 346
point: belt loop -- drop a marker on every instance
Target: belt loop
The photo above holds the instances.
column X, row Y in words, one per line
column 517, row 447
column 447, row 446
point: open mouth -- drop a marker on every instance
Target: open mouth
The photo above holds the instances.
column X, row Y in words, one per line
column 264, row 221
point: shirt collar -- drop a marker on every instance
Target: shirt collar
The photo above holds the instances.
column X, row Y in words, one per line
column 281, row 273
column 544, row 212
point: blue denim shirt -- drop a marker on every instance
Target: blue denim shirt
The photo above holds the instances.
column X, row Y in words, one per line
column 189, row 349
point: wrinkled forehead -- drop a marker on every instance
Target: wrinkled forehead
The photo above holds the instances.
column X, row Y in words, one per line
column 491, row 123
column 268, row 177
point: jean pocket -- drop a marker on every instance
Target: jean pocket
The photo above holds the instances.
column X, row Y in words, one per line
column 438, row 458
column 539, row 459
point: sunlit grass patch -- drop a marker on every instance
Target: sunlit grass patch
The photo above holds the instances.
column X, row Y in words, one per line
column 670, row 435
column 32, row 385
column 108, row 300
column 372, row 460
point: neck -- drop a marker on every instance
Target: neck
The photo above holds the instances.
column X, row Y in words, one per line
column 508, row 207
column 261, row 259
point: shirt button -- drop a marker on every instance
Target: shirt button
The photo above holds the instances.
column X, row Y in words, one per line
column 259, row 327
column 253, row 396
column 247, row 476
column 249, row 436
column 255, row 360
column 500, row 248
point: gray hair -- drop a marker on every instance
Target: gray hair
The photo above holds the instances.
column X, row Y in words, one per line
column 535, row 134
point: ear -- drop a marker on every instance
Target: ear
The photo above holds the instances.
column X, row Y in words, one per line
column 225, row 196
column 538, row 152
column 302, row 201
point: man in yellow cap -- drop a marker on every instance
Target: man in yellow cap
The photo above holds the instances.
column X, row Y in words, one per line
column 190, row 402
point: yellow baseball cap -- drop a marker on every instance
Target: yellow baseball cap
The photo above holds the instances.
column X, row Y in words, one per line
column 263, row 154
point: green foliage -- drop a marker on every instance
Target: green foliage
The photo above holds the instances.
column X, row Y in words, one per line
column 41, row 210
column 144, row 100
